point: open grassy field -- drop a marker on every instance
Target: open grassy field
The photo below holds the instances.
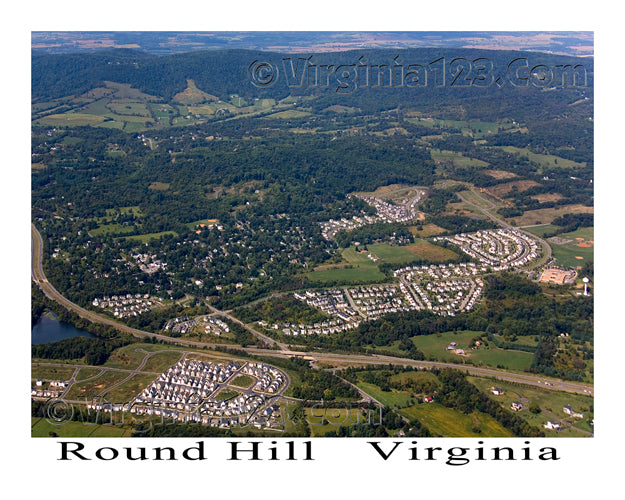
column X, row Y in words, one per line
column 70, row 119
column 144, row 238
column 426, row 231
column 430, row 252
column 483, row 199
column 435, row 347
column 111, row 229
column 542, row 229
column 550, row 403
column 193, row 95
column 85, row 373
column 390, row 398
column 322, row 420
column 580, row 249
column 457, row 159
column 391, row 253
column 363, row 270
column 502, row 190
column 500, row 174
column 129, row 389
column 243, row 381
column 89, row 389
column 289, row 113
column 446, row 422
column 419, row 376
column 161, row 361
column 40, row 427
column 545, row 161
column 159, row 186
column 128, row 357
column 130, row 108
column 47, row 372
column 547, row 215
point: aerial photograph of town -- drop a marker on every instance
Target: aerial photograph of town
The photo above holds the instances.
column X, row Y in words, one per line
column 312, row 234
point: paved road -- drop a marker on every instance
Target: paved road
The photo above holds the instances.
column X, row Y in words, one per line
column 285, row 352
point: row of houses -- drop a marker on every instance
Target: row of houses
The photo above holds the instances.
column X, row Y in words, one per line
column 386, row 213
column 500, row 249
column 377, row 300
column 269, row 378
column 390, row 212
column 440, row 271
column 187, row 383
column 124, row 306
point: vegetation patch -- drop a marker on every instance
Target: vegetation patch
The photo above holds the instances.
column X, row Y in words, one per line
column 430, row 252
column 159, row 186
column 547, row 215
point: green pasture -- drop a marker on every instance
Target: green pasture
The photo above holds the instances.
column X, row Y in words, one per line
column 161, row 361
column 144, row 238
column 435, row 348
column 125, row 392
column 392, row 398
column 446, row 422
column 40, row 427
column 392, row 254
column 567, row 254
column 550, row 402
column 544, row 160
column 48, row 372
column 458, row 159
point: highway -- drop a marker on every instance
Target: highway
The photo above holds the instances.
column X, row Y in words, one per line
column 319, row 357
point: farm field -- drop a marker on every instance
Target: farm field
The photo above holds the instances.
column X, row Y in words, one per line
column 502, row 190
column 547, row 215
column 391, row 253
column 457, row 159
column 144, row 238
column 40, row 427
column 442, row 421
column 430, row 252
column 363, row 270
column 387, row 398
column 435, row 347
column 550, row 403
column 544, row 160
column 426, row 231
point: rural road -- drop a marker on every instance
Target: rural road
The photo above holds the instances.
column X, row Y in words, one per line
column 353, row 359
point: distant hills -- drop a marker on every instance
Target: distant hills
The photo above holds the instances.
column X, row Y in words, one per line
column 575, row 43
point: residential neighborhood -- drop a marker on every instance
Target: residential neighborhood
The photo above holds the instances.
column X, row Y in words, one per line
column 500, row 249
column 386, row 213
column 124, row 306
column 202, row 392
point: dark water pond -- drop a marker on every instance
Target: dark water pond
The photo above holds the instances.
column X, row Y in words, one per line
column 49, row 329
